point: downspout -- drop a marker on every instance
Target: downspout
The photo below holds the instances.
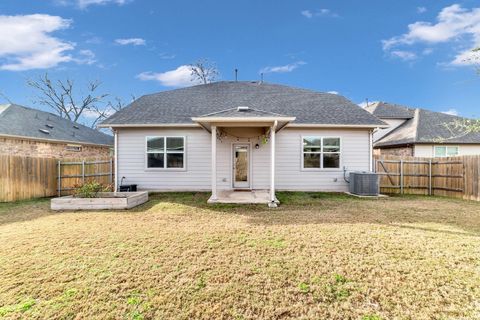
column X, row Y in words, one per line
column 115, row 135
column 370, row 148
column 272, row 203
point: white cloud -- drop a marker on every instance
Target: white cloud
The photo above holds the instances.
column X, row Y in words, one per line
column 318, row 13
column 82, row 4
column 131, row 41
column 454, row 23
column 85, row 57
column 180, row 77
column 333, row 92
column 27, row 42
column 404, row 55
column 167, row 56
column 283, row 69
column 452, row 112
column 421, row 9
column 307, row 13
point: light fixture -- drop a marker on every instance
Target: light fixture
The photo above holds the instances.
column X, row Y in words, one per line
column 257, row 146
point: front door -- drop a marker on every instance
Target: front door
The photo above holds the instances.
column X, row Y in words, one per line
column 241, row 166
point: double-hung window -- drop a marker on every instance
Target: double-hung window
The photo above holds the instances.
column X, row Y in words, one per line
column 446, row 151
column 321, row 152
column 166, row 152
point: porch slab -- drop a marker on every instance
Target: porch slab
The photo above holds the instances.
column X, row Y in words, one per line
column 243, row 197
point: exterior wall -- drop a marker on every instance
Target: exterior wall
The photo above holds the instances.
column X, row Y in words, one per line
column 46, row 149
column 426, row 150
column 132, row 164
column 393, row 124
column 402, row 151
column 355, row 156
column 197, row 174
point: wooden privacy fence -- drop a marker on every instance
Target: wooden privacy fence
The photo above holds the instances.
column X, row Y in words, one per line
column 29, row 177
column 456, row 177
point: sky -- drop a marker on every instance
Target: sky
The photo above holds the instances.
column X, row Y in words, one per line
column 415, row 53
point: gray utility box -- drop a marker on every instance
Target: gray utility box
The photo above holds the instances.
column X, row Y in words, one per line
column 364, row 183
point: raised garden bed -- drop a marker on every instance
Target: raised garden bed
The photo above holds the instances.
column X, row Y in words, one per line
column 103, row 201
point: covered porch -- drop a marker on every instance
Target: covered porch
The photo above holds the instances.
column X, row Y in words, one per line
column 243, row 144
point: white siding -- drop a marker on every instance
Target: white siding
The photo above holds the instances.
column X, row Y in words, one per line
column 196, row 176
column 289, row 174
column 392, row 124
column 426, row 150
column 131, row 160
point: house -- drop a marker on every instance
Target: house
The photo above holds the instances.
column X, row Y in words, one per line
column 228, row 136
column 421, row 133
column 31, row 132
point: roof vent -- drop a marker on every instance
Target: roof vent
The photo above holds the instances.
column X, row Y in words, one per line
column 44, row 131
column 49, row 126
column 242, row 108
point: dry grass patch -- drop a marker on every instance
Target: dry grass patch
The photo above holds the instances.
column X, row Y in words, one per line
column 317, row 256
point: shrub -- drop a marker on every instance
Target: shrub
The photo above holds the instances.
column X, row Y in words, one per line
column 90, row 190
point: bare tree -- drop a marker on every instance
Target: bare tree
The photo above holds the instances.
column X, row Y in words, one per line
column 110, row 108
column 62, row 97
column 204, row 71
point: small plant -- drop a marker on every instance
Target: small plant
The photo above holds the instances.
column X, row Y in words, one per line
column 371, row 317
column 90, row 190
column 304, row 287
column 340, row 279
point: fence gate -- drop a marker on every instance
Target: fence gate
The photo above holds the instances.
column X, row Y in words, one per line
column 438, row 176
column 72, row 174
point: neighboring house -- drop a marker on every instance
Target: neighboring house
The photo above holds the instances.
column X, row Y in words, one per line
column 31, row 132
column 421, row 133
column 228, row 136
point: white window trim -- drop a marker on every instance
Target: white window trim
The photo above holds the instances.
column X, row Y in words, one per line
column 321, row 154
column 446, row 151
column 147, row 168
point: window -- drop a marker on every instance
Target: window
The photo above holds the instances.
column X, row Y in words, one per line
column 321, row 153
column 166, row 152
column 74, row 147
column 445, row 151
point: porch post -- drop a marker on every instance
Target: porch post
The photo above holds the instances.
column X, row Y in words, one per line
column 272, row 164
column 214, row 163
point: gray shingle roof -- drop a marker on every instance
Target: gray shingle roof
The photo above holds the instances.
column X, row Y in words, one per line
column 235, row 113
column 384, row 110
column 180, row 105
column 21, row 121
column 429, row 127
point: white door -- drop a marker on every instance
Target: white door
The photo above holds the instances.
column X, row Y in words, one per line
column 241, row 166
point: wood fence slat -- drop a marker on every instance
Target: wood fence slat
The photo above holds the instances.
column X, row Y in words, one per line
column 457, row 177
column 29, row 177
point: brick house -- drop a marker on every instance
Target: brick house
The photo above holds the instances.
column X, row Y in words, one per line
column 30, row 132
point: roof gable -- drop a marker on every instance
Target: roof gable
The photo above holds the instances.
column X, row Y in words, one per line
column 384, row 110
column 429, row 127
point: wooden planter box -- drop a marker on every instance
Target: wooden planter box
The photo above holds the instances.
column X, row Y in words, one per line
column 104, row 201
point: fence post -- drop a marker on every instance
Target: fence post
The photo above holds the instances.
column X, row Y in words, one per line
column 59, row 183
column 83, row 172
column 401, row 176
column 430, row 177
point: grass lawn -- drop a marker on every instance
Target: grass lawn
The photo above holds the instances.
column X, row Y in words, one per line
column 317, row 256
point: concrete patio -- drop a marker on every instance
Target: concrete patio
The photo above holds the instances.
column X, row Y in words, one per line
column 243, row 196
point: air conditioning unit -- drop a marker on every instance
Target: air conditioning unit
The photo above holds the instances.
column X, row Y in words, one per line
column 364, row 183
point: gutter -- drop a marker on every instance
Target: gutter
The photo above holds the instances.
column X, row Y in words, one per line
column 55, row 140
